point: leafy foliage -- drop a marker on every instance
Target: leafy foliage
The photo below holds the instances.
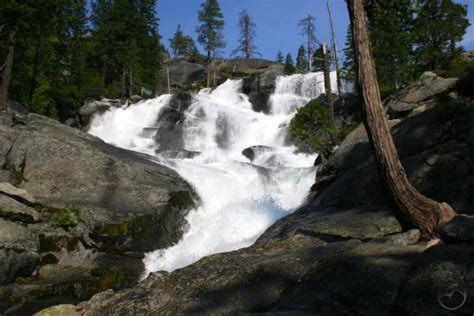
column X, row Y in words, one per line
column 311, row 127
column 65, row 218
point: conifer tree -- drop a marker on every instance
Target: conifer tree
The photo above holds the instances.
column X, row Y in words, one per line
column 247, row 27
column 301, row 60
column 391, row 22
column 126, row 41
column 280, row 59
column 438, row 28
column 182, row 45
column 318, row 58
column 349, row 65
column 210, row 31
column 289, row 68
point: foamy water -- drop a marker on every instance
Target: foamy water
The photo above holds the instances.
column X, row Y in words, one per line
column 239, row 198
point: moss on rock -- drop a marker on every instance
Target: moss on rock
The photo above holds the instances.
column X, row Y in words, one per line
column 109, row 278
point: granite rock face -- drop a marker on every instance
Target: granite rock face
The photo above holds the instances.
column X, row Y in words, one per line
column 419, row 94
column 77, row 215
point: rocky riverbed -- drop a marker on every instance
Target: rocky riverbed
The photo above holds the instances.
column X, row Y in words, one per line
column 77, row 216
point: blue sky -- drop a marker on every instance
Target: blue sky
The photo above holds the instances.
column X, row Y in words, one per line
column 276, row 21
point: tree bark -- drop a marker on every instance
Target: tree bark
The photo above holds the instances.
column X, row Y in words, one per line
column 208, row 80
column 410, row 205
column 35, row 73
column 334, row 49
column 6, row 68
column 327, row 82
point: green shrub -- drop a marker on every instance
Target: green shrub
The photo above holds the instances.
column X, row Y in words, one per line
column 311, row 128
column 65, row 218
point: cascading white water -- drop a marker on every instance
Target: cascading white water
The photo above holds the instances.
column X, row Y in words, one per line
column 239, row 198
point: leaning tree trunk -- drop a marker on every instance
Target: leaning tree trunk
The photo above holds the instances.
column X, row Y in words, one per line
column 6, row 68
column 411, row 206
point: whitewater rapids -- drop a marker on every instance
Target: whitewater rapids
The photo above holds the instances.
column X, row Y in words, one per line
column 239, row 198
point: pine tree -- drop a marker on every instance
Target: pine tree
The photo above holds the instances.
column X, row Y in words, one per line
column 349, row 65
column 318, row 59
column 182, row 45
column 247, row 27
column 280, row 59
column 308, row 30
column 210, row 31
column 37, row 55
column 391, row 22
column 177, row 43
column 439, row 26
column 301, row 60
column 126, row 41
column 289, row 68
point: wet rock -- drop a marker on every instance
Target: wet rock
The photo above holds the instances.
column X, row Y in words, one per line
column 169, row 126
column 135, row 99
column 252, row 152
column 180, row 154
column 87, row 111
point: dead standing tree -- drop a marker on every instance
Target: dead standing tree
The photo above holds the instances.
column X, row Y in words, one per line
column 247, row 47
column 410, row 205
column 334, row 52
column 308, row 30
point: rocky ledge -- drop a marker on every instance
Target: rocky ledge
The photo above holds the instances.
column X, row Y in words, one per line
column 343, row 252
column 76, row 214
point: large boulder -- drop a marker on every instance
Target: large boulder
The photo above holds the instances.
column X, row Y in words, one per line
column 418, row 94
column 84, row 209
column 127, row 200
column 182, row 75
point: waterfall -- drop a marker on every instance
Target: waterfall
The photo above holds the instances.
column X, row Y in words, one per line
column 240, row 197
